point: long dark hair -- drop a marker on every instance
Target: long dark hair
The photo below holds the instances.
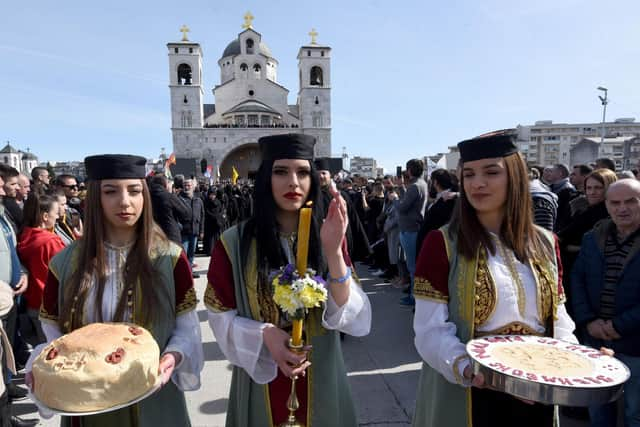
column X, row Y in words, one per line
column 35, row 206
column 264, row 228
column 92, row 261
column 517, row 231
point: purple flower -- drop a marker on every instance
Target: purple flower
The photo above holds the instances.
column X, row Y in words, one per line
column 320, row 279
column 288, row 273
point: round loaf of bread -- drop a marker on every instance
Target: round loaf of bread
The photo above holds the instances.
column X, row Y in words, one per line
column 96, row 367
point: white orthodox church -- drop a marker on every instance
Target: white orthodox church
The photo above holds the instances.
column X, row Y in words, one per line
column 249, row 101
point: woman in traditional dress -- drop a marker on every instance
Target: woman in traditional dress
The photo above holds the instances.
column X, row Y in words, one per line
column 251, row 330
column 490, row 271
column 124, row 269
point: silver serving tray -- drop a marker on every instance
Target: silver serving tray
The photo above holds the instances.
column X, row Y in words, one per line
column 547, row 393
column 551, row 394
column 44, row 409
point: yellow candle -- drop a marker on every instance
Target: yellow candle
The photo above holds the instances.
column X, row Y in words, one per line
column 296, row 332
column 304, row 226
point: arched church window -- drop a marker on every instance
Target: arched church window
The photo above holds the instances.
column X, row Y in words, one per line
column 316, row 101
column 187, row 119
column 249, row 44
column 316, row 118
column 244, row 67
column 185, row 100
column 184, row 74
column 315, row 77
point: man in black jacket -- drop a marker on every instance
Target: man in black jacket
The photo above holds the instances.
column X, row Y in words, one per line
column 357, row 241
column 168, row 210
column 439, row 212
column 193, row 226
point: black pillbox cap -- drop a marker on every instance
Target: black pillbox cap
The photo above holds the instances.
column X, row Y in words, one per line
column 499, row 143
column 287, row 146
column 115, row 166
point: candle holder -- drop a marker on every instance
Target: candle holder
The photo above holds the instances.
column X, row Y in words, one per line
column 292, row 401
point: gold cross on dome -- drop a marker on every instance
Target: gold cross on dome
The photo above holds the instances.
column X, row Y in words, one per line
column 248, row 21
column 184, row 30
column 313, row 33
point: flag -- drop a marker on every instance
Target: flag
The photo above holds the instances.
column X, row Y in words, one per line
column 207, row 173
column 234, row 175
column 170, row 161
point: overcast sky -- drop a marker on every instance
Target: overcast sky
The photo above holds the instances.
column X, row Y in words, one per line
column 409, row 78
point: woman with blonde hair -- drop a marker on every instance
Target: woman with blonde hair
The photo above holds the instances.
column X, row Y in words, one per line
column 490, row 271
column 595, row 188
column 124, row 269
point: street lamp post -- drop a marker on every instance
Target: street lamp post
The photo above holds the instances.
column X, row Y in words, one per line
column 604, row 101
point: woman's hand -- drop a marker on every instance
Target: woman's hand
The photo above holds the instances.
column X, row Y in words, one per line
column 607, row 351
column 477, row 380
column 335, row 224
column 291, row 364
column 168, row 363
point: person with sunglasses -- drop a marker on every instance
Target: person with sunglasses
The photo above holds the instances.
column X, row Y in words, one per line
column 72, row 218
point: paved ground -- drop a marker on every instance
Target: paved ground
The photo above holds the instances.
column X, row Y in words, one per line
column 383, row 367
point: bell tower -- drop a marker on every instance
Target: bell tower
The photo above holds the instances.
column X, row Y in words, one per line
column 314, row 96
column 185, row 83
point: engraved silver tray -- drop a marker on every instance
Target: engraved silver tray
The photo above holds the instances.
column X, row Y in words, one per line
column 604, row 384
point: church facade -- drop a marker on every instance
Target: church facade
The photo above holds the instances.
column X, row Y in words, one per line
column 249, row 101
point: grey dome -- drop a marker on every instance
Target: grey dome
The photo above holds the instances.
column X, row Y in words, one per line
column 233, row 48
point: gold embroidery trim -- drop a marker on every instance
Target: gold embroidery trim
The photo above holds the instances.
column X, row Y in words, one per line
column 510, row 261
column 467, row 270
column 513, row 328
column 422, row 288
column 485, row 292
column 267, row 398
column 547, row 291
column 211, row 300
column 44, row 315
column 250, row 270
column 188, row 303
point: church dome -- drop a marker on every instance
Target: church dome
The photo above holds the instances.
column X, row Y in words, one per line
column 233, row 49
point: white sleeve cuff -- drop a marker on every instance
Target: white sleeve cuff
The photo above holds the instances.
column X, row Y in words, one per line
column 436, row 340
column 240, row 340
column 187, row 341
column 354, row 317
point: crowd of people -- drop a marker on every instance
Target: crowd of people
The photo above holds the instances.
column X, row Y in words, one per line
column 495, row 247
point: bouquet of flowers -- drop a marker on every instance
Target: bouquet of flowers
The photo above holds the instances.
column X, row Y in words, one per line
column 294, row 294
